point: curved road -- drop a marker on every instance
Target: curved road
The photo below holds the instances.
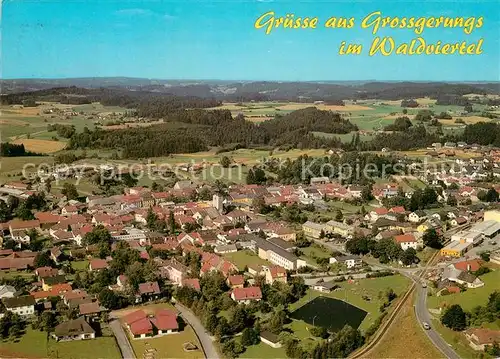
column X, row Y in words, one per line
column 206, row 341
column 423, row 316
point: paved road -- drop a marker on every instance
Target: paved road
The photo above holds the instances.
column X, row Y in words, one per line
column 423, row 316
column 122, row 339
column 422, row 313
column 205, row 339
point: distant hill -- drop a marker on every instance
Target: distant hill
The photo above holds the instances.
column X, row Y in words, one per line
column 261, row 90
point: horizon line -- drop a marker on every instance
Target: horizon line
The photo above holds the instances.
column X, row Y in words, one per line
column 234, row 80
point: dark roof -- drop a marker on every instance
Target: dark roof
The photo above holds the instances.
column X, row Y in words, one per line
column 466, row 277
column 16, row 302
column 57, row 279
column 281, row 243
column 273, row 338
column 73, row 327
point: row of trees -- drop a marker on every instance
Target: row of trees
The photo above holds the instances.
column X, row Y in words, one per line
column 386, row 250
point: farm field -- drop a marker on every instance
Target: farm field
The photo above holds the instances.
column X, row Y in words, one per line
column 40, row 146
column 416, row 341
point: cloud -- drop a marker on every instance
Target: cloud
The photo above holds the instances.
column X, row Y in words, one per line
column 134, row 12
column 168, row 17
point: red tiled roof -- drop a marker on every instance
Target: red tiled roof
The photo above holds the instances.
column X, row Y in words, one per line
column 141, row 326
column 98, row 264
column 165, row 320
column 149, row 288
column 484, row 336
column 236, row 280
column 399, row 209
column 18, row 224
column 134, row 317
column 470, row 265
column 277, row 271
column 192, row 282
column 381, row 211
column 247, row 293
column 405, row 238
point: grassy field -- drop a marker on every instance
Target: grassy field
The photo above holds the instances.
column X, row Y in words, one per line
column 169, row 346
column 457, row 340
column 471, row 297
column 34, row 344
column 416, row 342
column 352, row 294
column 102, row 347
column 244, row 258
column 80, row 265
column 312, row 252
column 262, row 350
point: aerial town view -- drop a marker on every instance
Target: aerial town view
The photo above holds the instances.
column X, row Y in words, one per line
column 219, row 180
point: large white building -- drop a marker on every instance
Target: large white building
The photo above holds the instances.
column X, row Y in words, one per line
column 467, row 237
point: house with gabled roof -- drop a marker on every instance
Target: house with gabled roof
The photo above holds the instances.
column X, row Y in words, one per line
column 246, row 295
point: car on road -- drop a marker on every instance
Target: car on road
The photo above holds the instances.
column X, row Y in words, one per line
column 424, row 285
column 426, row 325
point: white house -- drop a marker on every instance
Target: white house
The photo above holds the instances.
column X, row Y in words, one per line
column 23, row 305
column 77, row 329
column 417, row 216
column 350, row 261
column 406, row 241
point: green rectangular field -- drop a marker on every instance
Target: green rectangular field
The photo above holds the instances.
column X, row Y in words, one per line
column 245, row 258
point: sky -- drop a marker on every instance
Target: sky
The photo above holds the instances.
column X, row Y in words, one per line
column 197, row 39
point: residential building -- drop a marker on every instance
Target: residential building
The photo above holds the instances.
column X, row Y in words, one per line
column 23, row 305
column 417, row 216
column 275, row 273
column 236, row 281
column 480, row 337
column 312, row 229
column 141, row 325
column 339, row 228
column 76, row 329
column 350, row 261
column 406, row 241
column 270, row 339
column 325, row 287
column 246, row 295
